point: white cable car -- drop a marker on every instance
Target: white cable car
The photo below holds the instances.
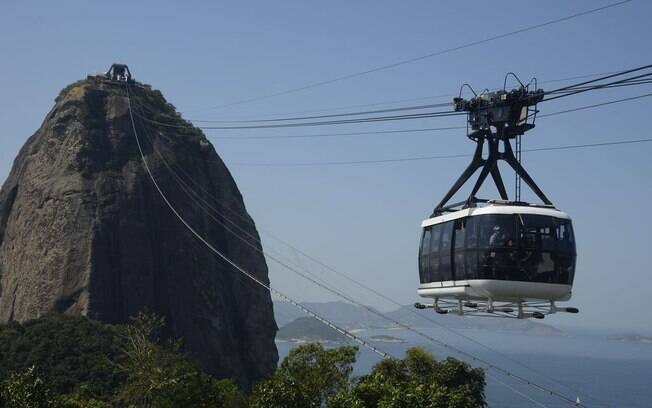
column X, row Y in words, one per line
column 498, row 257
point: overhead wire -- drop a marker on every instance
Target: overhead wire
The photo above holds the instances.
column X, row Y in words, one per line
column 635, row 80
column 192, row 193
column 434, row 157
column 421, row 57
column 453, row 156
column 300, row 121
column 393, row 102
column 339, row 293
column 608, row 76
column 308, row 136
column 564, row 147
column 595, row 105
column 575, row 89
column 237, row 267
column 610, row 86
column 321, row 135
column 348, row 298
column 319, row 123
column 343, row 114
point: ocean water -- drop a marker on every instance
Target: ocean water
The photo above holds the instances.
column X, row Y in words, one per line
column 602, row 372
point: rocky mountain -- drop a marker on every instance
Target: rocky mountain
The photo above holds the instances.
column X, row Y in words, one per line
column 83, row 231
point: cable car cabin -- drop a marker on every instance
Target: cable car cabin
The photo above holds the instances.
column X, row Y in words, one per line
column 508, row 253
column 507, row 258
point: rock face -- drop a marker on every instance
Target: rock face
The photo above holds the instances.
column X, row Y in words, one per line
column 83, row 230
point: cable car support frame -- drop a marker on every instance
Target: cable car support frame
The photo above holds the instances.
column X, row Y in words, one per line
column 494, row 119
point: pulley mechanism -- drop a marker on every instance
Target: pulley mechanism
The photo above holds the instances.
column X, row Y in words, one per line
column 496, row 117
column 119, row 73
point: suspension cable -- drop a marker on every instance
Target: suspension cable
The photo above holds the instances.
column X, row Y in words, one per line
column 388, row 318
column 571, row 90
column 567, row 91
column 330, row 324
column 421, row 57
column 635, row 80
column 595, row 105
column 319, row 123
column 320, row 135
column 393, row 102
column 191, row 192
column 334, row 115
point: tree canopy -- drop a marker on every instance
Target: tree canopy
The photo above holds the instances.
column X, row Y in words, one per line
column 74, row 362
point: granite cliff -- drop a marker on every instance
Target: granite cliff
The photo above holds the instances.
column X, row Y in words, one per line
column 84, row 232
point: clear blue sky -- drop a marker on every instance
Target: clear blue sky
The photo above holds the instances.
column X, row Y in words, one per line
column 364, row 220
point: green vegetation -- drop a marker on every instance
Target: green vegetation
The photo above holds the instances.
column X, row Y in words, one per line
column 307, row 377
column 311, row 376
column 69, row 362
column 68, row 351
column 68, row 88
column 74, row 362
column 416, row 381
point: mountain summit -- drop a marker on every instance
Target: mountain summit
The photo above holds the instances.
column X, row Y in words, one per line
column 83, row 231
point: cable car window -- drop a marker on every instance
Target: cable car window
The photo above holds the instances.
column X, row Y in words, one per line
column 424, row 257
column 538, row 232
column 565, row 268
column 566, row 252
column 472, row 232
column 435, row 238
column 496, row 230
column 517, row 247
column 565, row 238
column 460, row 233
column 460, row 251
column 497, row 244
column 471, row 270
column 471, row 252
column 446, row 237
column 445, row 264
column 538, row 244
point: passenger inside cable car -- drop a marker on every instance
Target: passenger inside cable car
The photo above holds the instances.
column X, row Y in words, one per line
column 514, row 247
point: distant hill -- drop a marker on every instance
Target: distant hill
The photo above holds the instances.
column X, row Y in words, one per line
column 425, row 318
column 345, row 314
column 309, row 329
column 384, row 338
column 631, row 338
column 356, row 317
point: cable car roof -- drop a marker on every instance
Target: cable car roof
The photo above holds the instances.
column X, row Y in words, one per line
column 495, row 208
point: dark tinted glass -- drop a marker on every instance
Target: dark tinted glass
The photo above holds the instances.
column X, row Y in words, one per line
column 565, row 238
column 424, row 257
column 434, row 262
column 460, row 241
column 445, row 272
column 470, row 252
column 546, row 249
column 537, row 232
column 496, row 230
column 522, row 247
column 471, row 232
column 566, row 251
column 472, row 265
